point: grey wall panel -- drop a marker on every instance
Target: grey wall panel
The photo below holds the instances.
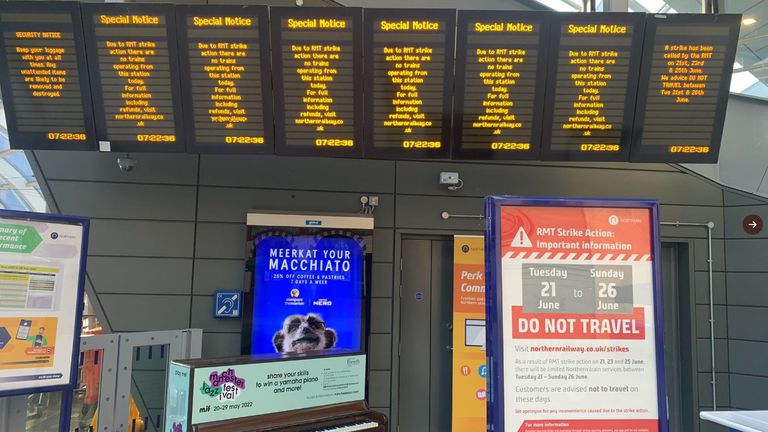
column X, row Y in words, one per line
column 102, row 167
column 217, row 240
column 721, row 321
column 137, row 312
column 221, row 345
column 739, row 199
column 127, row 275
column 232, row 205
column 421, row 178
column 322, row 174
column 380, row 352
column 381, row 283
column 378, row 388
column 701, row 284
column 747, row 255
column 734, row 218
column 695, row 214
column 150, row 386
column 748, row 392
column 704, row 352
column 141, row 238
column 383, row 245
column 718, row 254
column 216, row 274
column 748, row 323
column 707, row 426
column 425, row 212
column 747, row 289
column 748, row 358
column 381, row 315
column 202, row 317
column 125, row 201
column 705, row 390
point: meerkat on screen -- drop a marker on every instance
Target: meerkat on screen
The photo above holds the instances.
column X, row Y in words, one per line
column 302, row 333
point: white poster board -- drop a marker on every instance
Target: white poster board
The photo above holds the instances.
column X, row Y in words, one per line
column 42, row 270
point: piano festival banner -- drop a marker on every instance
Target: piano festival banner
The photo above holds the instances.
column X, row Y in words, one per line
column 469, row 368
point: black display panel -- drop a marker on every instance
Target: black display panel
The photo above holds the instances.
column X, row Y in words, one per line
column 44, row 76
column 685, row 79
column 501, row 66
column 225, row 78
column 317, row 64
column 132, row 57
column 409, row 82
column 591, row 86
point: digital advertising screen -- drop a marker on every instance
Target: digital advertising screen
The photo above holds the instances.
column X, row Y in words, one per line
column 44, row 76
column 133, row 62
column 591, row 86
column 308, row 290
column 500, row 82
column 226, row 78
column 684, row 85
column 318, row 90
column 409, row 82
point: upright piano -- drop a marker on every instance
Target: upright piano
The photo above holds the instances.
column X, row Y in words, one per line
column 275, row 393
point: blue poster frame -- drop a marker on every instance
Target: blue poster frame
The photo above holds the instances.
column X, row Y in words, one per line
column 493, row 296
column 62, row 220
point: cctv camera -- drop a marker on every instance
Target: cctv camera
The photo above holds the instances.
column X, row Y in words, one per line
column 126, row 164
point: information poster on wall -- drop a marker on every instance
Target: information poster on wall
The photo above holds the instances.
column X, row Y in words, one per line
column 41, row 293
column 469, row 368
column 574, row 316
column 308, row 283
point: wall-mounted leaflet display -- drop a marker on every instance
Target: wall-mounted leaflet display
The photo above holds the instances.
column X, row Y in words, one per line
column 500, row 83
column 134, row 76
column 225, row 78
column 44, row 78
column 307, row 275
column 317, row 63
column 409, row 77
column 684, row 85
column 575, row 326
column 592, row 84
column 42, row 275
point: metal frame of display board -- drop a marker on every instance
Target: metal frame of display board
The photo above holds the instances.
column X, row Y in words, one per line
column 495, row 342
column 68, row 220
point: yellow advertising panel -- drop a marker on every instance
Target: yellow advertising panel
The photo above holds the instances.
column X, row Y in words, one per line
column 469, row 368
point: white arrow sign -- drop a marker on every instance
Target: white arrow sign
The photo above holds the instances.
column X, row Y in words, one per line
column 753, row 224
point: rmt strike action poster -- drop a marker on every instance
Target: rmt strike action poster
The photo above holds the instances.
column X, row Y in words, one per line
column 574, row 324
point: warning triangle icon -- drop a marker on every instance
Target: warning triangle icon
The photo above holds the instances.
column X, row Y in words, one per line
column 521, row 239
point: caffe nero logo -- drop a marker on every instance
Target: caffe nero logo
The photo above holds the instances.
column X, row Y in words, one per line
column 224, row 386
column 465, row 248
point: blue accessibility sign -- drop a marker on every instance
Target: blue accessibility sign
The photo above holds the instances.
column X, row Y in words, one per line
column 228, row 304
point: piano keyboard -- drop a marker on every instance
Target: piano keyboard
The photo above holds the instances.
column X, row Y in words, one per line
column 351, row 427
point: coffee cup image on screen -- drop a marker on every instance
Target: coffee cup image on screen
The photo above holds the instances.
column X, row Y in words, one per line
column 307, row 294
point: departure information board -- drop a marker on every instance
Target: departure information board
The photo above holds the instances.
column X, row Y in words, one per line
column 409, row 82
column 499, row 96
column 592, row 73
column 317, row 63
column 43, row 76
column 684, row 84
column 134, row 76
column 225, row 78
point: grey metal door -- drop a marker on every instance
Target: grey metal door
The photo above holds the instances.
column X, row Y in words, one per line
column 425, row 335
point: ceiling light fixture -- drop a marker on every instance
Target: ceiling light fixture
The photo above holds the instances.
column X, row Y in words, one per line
column 748, row 21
